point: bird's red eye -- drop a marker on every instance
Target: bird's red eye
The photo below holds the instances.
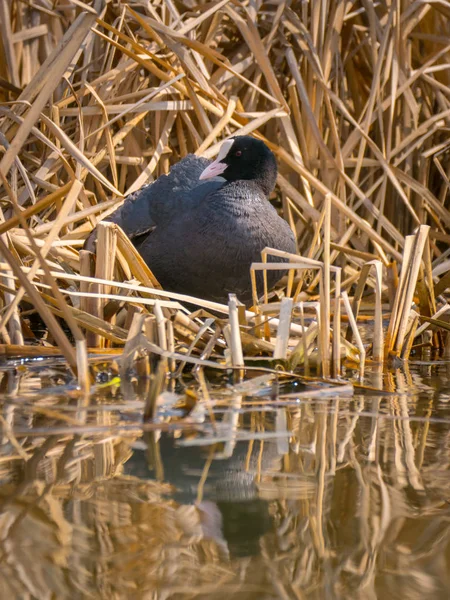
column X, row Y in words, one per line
column 238, row 153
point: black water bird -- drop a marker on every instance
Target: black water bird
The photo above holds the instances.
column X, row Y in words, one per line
column 200, row 227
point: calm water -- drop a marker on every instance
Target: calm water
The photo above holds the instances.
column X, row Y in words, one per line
column 309, row 494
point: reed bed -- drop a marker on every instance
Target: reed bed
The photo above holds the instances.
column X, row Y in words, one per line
column 100, row 98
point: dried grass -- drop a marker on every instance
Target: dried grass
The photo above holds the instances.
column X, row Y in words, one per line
column 99, row 99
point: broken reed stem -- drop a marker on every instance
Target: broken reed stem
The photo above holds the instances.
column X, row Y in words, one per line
column 132, row 344
column 160, row 325
column 237, row 355
column 86, row 270
column 170, row 336
column 413, row 323
column 157, row 382
column 325, row 288
column 420, row 240
column 304, row 339
column 265, row 292
column 414, row 245
column 282, row 340
column 104, row 269
column 84, row 378
column 336, row 348
column 392, row 282
column 354, row 326
column 377, row 346
column 378, row 341
column 326, row 291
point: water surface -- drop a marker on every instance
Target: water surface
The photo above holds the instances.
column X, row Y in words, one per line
column 308, row 494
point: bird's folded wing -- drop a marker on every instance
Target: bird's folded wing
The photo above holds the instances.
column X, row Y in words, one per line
column 178, row 191
column 159, row 202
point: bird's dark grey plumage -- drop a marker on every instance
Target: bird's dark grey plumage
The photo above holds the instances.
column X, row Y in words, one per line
column 200, row 237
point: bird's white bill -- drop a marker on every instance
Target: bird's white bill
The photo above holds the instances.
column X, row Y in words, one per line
column 213, row 170
column 217, row 167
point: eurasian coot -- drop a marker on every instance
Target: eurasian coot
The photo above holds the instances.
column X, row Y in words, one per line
column 200, row 227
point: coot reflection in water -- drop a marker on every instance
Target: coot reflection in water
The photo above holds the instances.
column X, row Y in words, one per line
column 231, row 504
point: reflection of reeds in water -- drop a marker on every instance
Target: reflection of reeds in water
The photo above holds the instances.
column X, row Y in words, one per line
column 356, row 498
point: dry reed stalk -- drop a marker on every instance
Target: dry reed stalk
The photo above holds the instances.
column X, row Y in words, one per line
column 79, row 338
column 56, row 227
column 87, row 269
column 304, row 339
column 170, row 336
column 282, row 340
column 377, row 346
column 299, row 354
column 325, row 291
column 156, row 387
column 359, row 343
column 409, row 338
column 50, row 75
column 445, row 308
column 138, row 267
column 336, row 348
column 160, row 325
column 197, row 340
column 407, row 284
column 52, row 324
column 442, row 285
column 12, row 351
column 14, row 328
column 98, row 326
column 104, row 269
column 37, row 207
column 133, row 344
column 237, row 356
column 378, row 338
column 83, row 374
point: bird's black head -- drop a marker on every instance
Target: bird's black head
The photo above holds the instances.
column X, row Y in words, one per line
column 244, row 157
